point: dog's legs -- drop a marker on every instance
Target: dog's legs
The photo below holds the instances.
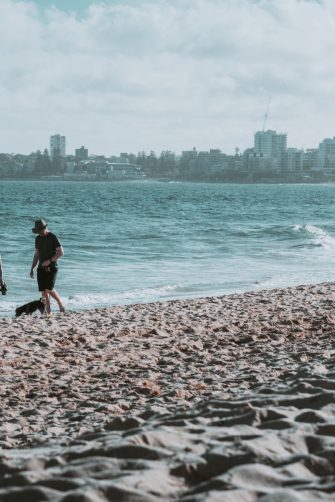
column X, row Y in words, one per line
column 56, row 296
column 45, row 295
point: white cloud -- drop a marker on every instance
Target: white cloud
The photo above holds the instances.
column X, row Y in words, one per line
column 127, row 76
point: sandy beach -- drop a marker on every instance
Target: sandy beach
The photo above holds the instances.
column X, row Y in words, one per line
column 214, row 399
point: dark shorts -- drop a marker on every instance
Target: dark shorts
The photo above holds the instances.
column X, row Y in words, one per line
column 46, row 277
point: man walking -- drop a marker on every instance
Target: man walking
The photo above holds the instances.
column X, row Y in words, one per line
column 48, row 250
column 3, row 287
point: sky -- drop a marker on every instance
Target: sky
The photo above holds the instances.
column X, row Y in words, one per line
column 140, row 75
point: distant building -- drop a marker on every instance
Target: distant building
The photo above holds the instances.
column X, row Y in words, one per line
column 272, row 146
column 211, row 162
column 294, row 159
column 252, row 161
column 121, row 170
column 188, row 162
column 57, row 146
column 311, row 159
column 81, row 153
column 123, row 159
column 326, row 154
column 203, row 161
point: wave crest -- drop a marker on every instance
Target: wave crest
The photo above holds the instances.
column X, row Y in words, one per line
column 318, row 236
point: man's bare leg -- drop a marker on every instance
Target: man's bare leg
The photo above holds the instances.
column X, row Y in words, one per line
column 45, row 295
column 56, row 296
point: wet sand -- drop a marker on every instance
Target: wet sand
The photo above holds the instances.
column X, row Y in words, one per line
column 213, row 399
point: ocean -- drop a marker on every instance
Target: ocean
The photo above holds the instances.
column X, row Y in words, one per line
column 147, row 241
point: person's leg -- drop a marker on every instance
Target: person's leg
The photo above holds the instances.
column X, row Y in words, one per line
column 45, row 295
column 55, row 295
column 43, row 289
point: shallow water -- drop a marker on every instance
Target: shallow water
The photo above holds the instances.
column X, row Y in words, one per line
column 134, row 242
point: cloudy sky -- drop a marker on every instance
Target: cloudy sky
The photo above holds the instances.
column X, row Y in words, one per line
column 165, row 74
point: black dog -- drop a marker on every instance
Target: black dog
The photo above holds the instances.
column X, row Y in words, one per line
column 31, row 307
column 3, row 288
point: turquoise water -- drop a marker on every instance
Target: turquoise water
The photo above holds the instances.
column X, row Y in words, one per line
column 148, row 241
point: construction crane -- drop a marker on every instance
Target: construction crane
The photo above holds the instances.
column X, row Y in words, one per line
column 266, row 113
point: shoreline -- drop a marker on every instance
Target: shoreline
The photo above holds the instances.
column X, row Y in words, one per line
column 215, row 398
column 266, row 181
column 10, row 314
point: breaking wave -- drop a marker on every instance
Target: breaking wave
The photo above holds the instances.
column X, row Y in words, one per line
column 137, row 295
column 317, row 237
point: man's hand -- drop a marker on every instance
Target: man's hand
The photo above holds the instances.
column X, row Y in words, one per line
column 46, row 263
column 32, row 273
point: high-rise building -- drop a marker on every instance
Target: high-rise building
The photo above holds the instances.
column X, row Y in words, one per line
column 271, row 145
column 326, row 155
column 57, row 146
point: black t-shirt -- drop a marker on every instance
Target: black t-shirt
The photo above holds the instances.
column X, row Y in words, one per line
column 46, row 246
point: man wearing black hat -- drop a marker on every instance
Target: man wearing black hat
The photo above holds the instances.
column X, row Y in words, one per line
column 48, row 250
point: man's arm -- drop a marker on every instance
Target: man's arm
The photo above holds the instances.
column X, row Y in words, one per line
column 34, row 263
column 58, row 254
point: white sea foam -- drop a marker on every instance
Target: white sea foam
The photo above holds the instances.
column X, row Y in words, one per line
column 78, row 301
column 319, row 236
column 145, row 294
column 8, row 306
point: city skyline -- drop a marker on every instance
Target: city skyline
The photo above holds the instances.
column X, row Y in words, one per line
column 61, row 139
column 143, row 75
column 269, row 160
